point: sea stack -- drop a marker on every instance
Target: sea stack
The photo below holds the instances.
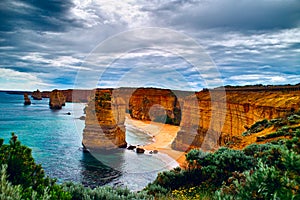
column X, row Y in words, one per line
column 26, row 99
column 104, row 123
column 57, row 100
column 36, row 95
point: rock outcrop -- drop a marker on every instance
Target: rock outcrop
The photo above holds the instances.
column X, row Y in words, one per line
column 208, row 119
column 57, row 99
column 26, row 99
column 104, row 123
column 105, row 113
column 160, row 105
column 36, row 95
column 240, row 110
column 72, row 95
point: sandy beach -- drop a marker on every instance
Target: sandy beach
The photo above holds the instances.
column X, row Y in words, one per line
column 163, row 135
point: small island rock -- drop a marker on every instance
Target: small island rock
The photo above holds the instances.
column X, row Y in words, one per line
column 36, row 95
column 26, row 99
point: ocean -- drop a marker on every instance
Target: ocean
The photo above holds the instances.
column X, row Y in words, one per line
column 55, row 139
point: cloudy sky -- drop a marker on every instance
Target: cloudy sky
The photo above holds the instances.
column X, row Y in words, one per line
column 105, row 43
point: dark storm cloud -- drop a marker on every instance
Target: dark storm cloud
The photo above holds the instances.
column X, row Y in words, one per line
column 48, row 40
column 50, row 15
column 230, row 14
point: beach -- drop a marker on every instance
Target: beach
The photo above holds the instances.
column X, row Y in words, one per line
column 162, row 134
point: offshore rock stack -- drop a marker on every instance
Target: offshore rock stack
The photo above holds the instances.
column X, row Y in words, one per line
column 26, row 99
column 36, row 95
column 57, row 100
column 104, row 123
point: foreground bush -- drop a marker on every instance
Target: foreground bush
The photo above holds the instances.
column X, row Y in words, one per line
column 22, row 178
column 265, row 171
column 78, row 191
column 23, row 171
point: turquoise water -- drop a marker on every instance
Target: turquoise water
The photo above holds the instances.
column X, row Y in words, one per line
column 55, row 139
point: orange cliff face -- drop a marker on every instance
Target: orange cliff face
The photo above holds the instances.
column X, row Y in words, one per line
column 233, row 114
column 104, row 123
column 105, row 113
column 160, row 105
column 205, row 122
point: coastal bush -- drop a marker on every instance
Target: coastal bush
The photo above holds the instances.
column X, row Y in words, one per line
column 257, row 127
column 23, row 171
column 265, row 181
column 206, row 169
column 7, row 190
column 192, row 193
column 259, row 171
column 78, row 191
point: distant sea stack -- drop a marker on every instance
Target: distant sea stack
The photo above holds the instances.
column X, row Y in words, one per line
column 57, row 99
column 36, row 95
column 26, row 99
column 104, row 123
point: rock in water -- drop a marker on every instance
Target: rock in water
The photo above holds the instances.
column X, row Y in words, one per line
column 131, row 147
column 140, row 150
column 104, row 123
column 26, row 99
column 57, row 99
column 36, row 95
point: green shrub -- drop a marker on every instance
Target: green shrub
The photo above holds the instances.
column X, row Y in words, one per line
column 78, row 191
column 23, row 171
column 7, row 190
column 265, row 182
column 257, row 127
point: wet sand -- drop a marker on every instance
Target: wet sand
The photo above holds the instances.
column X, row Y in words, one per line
column 162, row 134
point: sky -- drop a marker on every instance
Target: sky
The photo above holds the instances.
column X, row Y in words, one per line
column 178, row 44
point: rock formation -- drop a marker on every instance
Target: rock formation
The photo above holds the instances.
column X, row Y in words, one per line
column 72, row 95
column 57, row 99
column 26, row 99
column 241, row 109
column 104, row 124
column 160, row 105
column 36, row 95
column 208, row 119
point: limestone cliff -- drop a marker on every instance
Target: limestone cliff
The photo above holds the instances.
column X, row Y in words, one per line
column 104, row 123
column 36, row 95
column 72, row 95
column 26, row 99
column 241, row 109
column 57, row 99
column 160, row 105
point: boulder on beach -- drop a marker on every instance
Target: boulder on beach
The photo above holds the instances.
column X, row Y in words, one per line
column 82, row 118
column 131, row 147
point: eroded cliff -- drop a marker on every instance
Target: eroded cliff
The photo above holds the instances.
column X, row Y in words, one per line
column 233, row 114
column 104, row 123
column 160, row 105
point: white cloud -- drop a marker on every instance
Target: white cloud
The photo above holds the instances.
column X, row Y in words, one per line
column 14, row 80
